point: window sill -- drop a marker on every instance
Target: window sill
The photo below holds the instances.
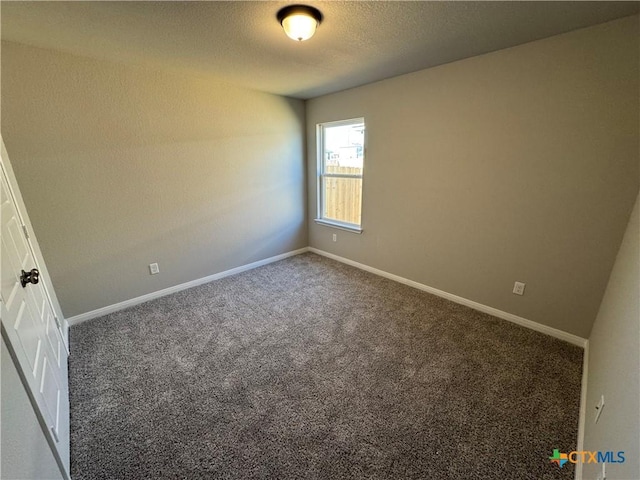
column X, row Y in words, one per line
column 338, row 225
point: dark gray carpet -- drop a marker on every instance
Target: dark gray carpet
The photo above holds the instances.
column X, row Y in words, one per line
column 310, row 369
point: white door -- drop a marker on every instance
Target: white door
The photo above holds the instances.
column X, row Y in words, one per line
column 31, row 329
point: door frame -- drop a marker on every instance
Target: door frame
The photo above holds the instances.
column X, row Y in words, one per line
column 14, row 193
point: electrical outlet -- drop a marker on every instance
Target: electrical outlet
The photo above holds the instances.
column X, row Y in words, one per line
column 518, row 288
column 599, row 408
column 335, row 237
column 153, row 268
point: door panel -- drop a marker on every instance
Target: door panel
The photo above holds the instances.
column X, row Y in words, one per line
column 24, row 325
column 27, row 333
column 51, row 392
column 30, row 328
column 13, row 231
column 52, row 337
column 10, row 283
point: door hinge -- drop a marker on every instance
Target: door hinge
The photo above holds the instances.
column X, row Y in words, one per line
column 55, row 434
column 55, row 317
column 26, row 232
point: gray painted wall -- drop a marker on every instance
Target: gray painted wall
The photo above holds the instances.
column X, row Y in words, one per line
column 614, row 363
column 521, row 164
column 24, row 451
column 121, row 166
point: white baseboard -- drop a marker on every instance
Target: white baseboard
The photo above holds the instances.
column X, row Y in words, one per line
column 554, row 332
column 583, row 408
column 100, row 312
column 538, row 327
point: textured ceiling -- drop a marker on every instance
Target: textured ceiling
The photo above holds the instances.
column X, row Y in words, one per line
column 241, row 42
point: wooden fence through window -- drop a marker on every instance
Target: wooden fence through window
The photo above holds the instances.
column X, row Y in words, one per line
column 343, row 196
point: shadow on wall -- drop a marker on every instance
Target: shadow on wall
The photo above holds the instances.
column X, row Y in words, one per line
column 122, row 166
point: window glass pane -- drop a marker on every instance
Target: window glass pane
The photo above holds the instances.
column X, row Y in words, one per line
column 344, row 149
column 342, row 199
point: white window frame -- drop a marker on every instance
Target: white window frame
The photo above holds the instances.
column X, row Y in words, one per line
column 320, row 175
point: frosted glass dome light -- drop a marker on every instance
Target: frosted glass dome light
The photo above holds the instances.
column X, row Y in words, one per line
column 299, row 21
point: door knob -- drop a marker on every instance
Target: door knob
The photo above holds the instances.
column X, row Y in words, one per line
column 30, row 277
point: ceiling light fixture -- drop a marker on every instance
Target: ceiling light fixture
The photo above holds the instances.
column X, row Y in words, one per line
column 299, row 21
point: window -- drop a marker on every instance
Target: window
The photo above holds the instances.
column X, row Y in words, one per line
column 340, row 166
